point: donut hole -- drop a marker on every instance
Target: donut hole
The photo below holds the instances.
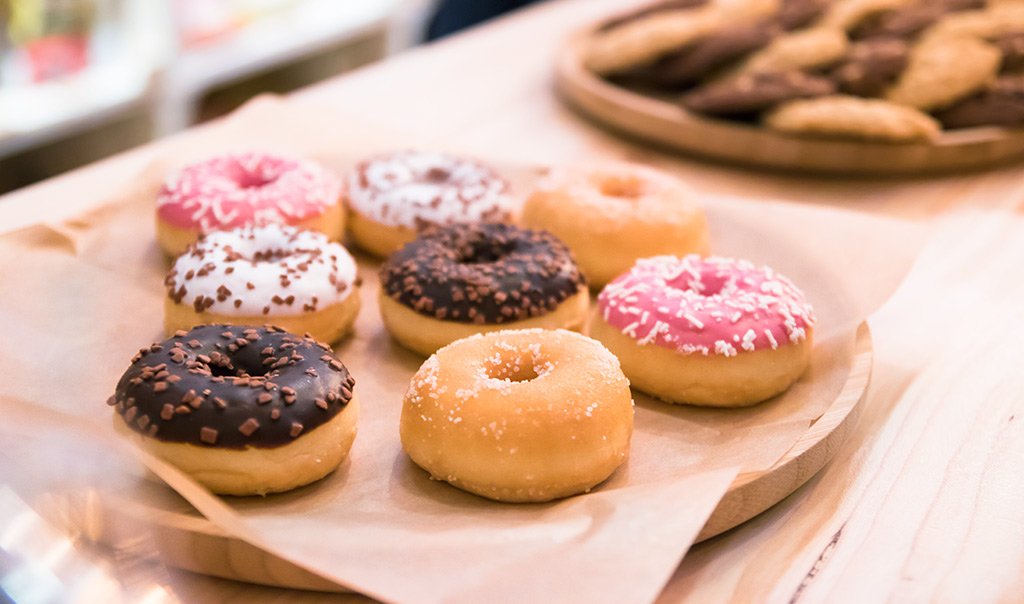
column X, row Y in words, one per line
column 483, row 252
column 622, row 186
column 708, row 284
column 516, row 366
column 251, row 177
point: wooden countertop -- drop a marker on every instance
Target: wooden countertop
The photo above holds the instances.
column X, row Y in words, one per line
column 923, row 503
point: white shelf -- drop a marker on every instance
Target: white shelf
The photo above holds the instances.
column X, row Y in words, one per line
column 33, row 115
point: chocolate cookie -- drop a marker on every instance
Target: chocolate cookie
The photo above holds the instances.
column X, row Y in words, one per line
column 871, row 67
column 693, row 63
column 1012, row 47
column 798, row 14
column 1000, row 105
column 752, row 93
column 909, row 21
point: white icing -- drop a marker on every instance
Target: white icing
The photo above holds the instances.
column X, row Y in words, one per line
column 302, row 268
column 404, row 187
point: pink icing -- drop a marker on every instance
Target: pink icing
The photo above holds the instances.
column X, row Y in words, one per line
column 246, row 189
column 708, row 305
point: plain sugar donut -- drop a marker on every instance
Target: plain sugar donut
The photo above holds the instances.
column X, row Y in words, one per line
column 521, row 416
column 612, row 215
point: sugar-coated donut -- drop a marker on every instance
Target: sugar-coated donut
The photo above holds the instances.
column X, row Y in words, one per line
column 242, row 189
column 714, row 331
column 521, row 416
column 243, row 410
column 462, row 279
column 613, row 215
column 392, row 196
column 256, row 274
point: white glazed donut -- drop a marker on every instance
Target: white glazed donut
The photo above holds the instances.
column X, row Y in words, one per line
column 276, row 274
column 390, row 196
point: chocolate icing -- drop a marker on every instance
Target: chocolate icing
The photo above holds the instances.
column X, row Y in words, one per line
column 232, row 387
column 482, row 273
column 749, row 94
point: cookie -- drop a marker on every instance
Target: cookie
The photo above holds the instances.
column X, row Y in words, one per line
column 753, row 93
column 853, row 117
column 848, row 14
column 688, row 66
column 871, row 67
column 904, row 23
column 1002, row 104
column 642, row 41
column 941, row 72
column 798, row 14
column 1012, row 47
column 807, row 49
column 647, row 11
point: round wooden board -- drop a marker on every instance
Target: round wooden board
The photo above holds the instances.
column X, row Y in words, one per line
column 187, row 540
column 662, row 122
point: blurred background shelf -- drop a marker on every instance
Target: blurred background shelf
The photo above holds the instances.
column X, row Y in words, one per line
column 134, row 70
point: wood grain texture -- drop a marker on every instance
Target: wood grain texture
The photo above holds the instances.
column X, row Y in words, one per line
column 662, row 122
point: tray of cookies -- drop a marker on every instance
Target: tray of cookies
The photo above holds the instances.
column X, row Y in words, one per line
column 840, row 86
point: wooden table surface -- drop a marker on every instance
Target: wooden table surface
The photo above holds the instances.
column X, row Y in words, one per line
column 924, row 502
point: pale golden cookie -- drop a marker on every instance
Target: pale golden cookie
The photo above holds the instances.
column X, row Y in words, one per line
column 853, row 117
column 644, row 40
column 941, row 72
column 806, row 49
column 988, row 24
column 847, row 14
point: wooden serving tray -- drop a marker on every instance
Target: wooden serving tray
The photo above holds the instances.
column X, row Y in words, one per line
column 664, row 123
column 188, row 541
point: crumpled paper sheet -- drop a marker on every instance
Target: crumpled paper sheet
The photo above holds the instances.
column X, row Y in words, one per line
column 81, row 296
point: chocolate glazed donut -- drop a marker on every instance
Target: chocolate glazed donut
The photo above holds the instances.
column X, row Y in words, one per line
column 458, row 280
column 232, row 387
column 484, row 273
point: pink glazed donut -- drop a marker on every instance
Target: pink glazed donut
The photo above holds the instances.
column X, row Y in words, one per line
column 706, row 331
column 230, row 191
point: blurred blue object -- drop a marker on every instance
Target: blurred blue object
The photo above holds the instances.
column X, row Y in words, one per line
column 454, row 15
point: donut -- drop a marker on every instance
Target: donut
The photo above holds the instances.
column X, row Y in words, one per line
column 519, row 416
column 391, row 196
column 715, row 332
column 226, row 192
column 462, row 279
column 243, row 410
column 296, row 279
column 613, row 215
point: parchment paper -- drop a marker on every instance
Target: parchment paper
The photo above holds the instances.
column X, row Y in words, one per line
column 81, row 296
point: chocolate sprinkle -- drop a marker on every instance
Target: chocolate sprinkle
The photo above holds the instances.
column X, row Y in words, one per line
column 467, row 273
column 235, row 384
